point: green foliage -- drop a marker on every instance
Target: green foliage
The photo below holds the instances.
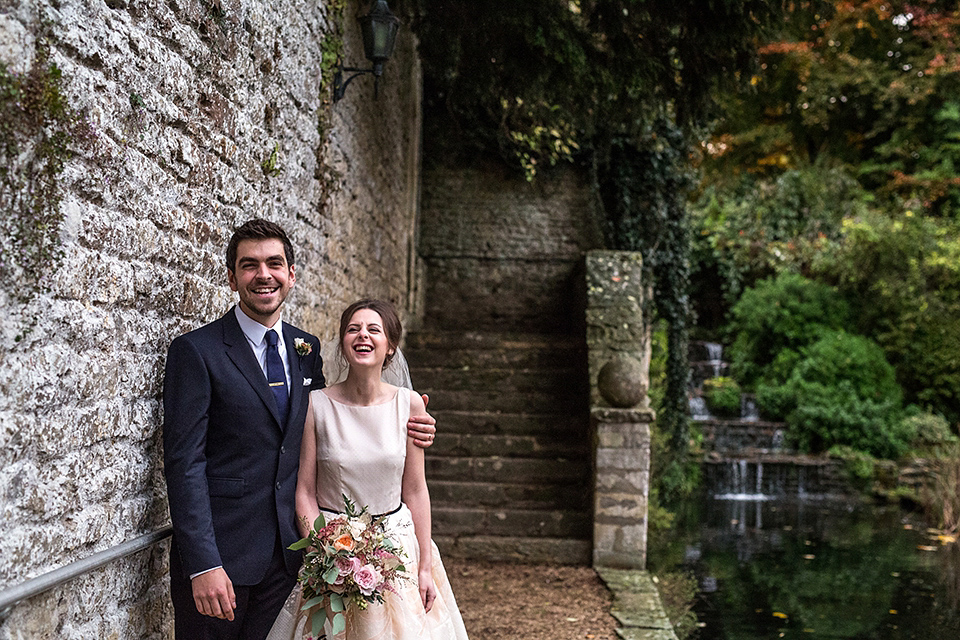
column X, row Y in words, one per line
column 533, row 81
column 929, row 429
column 723, row 396
column 39, row 133
column 860, row 466
column 776, row 319
column 901, row 272
column 844, row 392
column 764, row 226
column 271, row 164
column 862, row 84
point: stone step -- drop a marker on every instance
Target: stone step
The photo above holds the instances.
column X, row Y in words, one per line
column 520, row 470
column 504, row 358
column 491, row 340
column 572, row 551
column 574, row 495
column 498, row 400
column 531, row 446
column 458, row 521
column 565, row 381
column 559, row 425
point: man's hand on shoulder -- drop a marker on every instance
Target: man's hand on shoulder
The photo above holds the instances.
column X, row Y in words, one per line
column 421, row 427
column 213, row 594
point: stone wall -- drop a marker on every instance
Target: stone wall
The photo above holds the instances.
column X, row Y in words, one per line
column 505, row 253
column 205, row 113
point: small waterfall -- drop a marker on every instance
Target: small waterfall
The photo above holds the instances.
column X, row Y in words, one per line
column 698, row 408
column 778, row 441
column 715, row 357
column 741, row 480
column 766, row 478
column 748, row 408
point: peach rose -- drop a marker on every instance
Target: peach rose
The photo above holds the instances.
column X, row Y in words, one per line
column 344, row 543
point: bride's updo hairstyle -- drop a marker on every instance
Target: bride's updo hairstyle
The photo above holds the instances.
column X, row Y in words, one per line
column 391, row 324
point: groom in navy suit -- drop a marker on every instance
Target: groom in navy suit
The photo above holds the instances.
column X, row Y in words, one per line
column 235, row 399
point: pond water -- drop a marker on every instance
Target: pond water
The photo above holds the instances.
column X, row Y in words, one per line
column 814, row 569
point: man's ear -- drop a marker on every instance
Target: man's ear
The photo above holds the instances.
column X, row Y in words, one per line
column 232, row 279
column 293, row 274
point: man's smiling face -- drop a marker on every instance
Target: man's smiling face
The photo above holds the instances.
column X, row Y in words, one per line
column 263, row 278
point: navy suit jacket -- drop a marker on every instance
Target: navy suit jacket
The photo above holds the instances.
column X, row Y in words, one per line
column 231, row 466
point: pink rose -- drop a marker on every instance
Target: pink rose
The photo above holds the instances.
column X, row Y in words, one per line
column 368, row 579
column 346, row 566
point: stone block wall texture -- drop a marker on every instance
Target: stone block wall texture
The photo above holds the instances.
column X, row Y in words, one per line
column 614, row 315
column 621, row 487
column 189, row 101
column 502, row 252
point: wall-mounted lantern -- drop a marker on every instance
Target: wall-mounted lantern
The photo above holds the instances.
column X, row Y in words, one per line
column 379, row 28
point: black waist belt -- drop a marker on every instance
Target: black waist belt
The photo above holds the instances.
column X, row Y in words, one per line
column 378, row 515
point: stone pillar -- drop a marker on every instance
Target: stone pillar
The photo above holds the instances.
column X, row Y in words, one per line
column 621, row 486
column 615, row 325
column 618, row 344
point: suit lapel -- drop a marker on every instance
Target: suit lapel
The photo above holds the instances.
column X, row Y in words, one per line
column 296, row 372
column 239, row 351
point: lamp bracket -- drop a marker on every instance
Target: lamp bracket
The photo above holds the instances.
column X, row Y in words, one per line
column 340, row 85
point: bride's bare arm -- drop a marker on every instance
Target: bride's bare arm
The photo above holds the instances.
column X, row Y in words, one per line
column 417, row 498
column 307, row 509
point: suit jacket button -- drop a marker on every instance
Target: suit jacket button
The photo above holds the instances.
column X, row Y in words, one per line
column 283, row 449
column 278, row 486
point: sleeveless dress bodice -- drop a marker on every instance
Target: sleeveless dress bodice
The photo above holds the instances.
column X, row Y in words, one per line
column 360, row 452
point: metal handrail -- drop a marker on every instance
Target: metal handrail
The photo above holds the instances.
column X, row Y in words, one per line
column 12, row 595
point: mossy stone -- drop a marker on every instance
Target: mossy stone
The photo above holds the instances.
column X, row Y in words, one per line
column 621, row 382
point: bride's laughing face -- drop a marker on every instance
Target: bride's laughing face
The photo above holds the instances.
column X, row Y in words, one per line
column 365, row 342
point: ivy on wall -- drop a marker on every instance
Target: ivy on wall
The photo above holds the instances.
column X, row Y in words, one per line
column 39, row 133
column 643, row 182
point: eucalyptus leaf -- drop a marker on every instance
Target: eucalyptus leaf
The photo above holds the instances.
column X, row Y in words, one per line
column 316, row 623
column 300, row 544
column 336, row 602
column 312, row 602
column 319, row 523
column 330, row 575
column 339, row 623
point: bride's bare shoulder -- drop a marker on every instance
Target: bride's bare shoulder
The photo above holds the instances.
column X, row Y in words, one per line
column 417, row 407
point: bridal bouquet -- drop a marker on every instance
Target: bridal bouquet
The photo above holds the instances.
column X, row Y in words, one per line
column 350, row 561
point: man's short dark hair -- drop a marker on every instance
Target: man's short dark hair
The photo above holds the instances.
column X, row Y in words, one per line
column 258, row 229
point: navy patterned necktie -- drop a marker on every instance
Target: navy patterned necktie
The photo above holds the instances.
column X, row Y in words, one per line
column 276, row 376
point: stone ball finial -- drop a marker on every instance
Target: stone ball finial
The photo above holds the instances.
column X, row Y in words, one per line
column 621, row 382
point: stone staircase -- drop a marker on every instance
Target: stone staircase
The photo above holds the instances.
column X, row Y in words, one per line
column 509, row 473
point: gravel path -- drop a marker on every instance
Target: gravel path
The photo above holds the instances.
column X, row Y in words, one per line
column 531, row 602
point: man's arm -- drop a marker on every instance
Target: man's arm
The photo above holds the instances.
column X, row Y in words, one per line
column 186, row 405
column 422, row 427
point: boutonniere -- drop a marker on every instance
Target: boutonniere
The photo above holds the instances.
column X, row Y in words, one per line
column 303, row 347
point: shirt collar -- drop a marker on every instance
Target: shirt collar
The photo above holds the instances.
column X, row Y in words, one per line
column 255, row 331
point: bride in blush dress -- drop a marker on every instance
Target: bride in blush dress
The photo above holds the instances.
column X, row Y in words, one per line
column 355, row 444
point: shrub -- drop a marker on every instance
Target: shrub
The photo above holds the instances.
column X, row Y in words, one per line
column 760, row 226
column 723, row 396
column 774, row 320
column 901, row 272
column 860, row 466
column 929, row 429
column 843, row 392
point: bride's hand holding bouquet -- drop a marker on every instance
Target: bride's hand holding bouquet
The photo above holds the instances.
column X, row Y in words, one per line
column 349, row 562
